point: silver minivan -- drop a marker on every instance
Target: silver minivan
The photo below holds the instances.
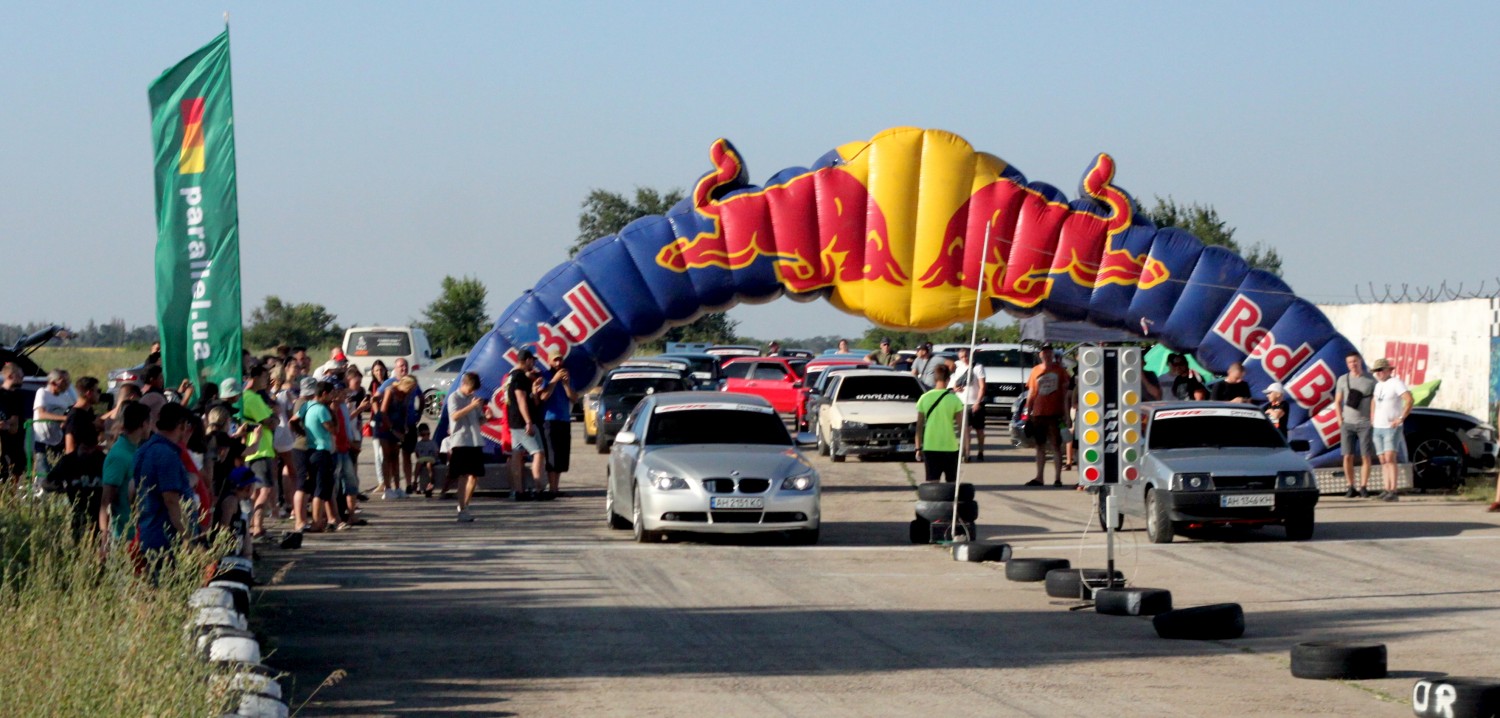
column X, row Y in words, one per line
column 363, row 345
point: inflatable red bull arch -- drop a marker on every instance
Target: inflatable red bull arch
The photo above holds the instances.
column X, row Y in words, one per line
column 894, row 229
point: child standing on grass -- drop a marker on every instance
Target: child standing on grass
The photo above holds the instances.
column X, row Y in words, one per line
column 426, row 451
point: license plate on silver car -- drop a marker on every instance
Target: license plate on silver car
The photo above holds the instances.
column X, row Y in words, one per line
column 1240, row 501
column 735, row 502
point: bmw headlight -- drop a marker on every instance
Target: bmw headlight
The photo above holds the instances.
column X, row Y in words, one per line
column 664, row 481
column 1192, row 482
column 1294, row 480
column 855, row 425
column 800, row 482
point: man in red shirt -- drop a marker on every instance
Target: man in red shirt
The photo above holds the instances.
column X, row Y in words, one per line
column 1046, row 403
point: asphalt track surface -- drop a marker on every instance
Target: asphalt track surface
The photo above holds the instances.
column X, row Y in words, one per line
column 538, row 609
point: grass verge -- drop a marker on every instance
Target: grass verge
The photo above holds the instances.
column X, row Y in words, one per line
column 82, row 633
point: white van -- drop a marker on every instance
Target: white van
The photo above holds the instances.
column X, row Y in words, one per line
column 363, row 345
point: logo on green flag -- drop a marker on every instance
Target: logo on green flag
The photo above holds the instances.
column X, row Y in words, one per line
column 197, row 218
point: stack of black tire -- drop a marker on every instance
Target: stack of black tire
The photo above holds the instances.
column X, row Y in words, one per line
column 935, row 504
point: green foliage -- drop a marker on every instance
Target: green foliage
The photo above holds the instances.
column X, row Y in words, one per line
column 1204, row 222
column 84, row 635
column 958, row 333
column 280, row 322
column 605, row 213
column 457, row 318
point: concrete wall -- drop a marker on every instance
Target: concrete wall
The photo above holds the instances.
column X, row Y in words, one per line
column 1451, row 341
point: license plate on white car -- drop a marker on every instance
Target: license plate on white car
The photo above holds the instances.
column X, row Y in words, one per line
column 1240, row 501
column 906, row 447
column 735, row 502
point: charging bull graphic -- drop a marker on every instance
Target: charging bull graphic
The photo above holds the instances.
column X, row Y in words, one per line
column 908, row 229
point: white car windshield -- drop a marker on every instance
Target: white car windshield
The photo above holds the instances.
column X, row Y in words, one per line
column 1215, row 432
column 897, row 387
column 716, row 426
column 1013, row 358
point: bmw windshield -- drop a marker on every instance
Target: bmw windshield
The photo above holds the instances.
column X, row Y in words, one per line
column 716, row 426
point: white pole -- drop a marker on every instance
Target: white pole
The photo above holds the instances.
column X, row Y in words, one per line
column 963, row 430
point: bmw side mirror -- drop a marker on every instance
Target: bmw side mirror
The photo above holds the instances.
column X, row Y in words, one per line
column 625, row 438
column 1301, row 446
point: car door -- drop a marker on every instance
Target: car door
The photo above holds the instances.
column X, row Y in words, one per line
column 777, row 384
column 624, row 457
column 825, row 408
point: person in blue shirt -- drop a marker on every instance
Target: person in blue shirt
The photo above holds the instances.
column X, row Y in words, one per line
column 161, row 483
column 557, row 399
column 317, row 422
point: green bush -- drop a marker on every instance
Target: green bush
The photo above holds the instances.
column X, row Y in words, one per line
column 82, row 634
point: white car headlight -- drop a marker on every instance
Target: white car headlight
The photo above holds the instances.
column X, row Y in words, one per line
column 800, row 482
column 664, row 481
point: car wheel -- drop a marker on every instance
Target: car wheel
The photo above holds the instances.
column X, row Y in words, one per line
column 1158, row 522
column 616, row 521
column 1342, row 661
column 835, row 450
column 432, row 403
column 601, row 444
column 1300, row 526
column 943, row 510
column 590, row 438
column 1431, row 460
column 638, row 522
column 944, row 491
column 1217, row 622
column 822, row 445
column 1069, row 582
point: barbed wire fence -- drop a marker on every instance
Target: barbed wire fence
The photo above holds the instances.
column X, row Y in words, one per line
column 1429, row 293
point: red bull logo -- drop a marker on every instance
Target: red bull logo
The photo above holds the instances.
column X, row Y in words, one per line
column 588, row 315
column 909, row 209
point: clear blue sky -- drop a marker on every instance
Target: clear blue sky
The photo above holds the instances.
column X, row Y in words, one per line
column 382, row 146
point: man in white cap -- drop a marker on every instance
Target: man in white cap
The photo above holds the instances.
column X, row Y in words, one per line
column 1392, row 406
column 1276, row 408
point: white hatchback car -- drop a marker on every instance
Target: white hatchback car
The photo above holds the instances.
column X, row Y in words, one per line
column 869, row 411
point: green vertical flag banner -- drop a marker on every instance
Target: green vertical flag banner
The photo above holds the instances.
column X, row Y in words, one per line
column 197, row 218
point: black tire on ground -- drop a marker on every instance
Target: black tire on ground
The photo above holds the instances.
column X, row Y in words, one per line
column 1132, row 601
column 1032, row 569
column 1345, row 661
column 1455, row 697
column 1068, row 582
column 943, row 510
column 981, row 551
column 943, row 491
column 1159, row 526
column 590, row 438
column 601, row 444
column 1300, row 526
column 834, row 448
column 920, row 531
column 1217, row 622
column 822, row 445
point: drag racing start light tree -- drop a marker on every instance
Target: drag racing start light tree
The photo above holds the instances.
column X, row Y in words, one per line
column 1109, row 430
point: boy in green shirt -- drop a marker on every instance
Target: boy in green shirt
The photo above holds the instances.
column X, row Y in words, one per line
column 116, row 508
column 938, row 414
